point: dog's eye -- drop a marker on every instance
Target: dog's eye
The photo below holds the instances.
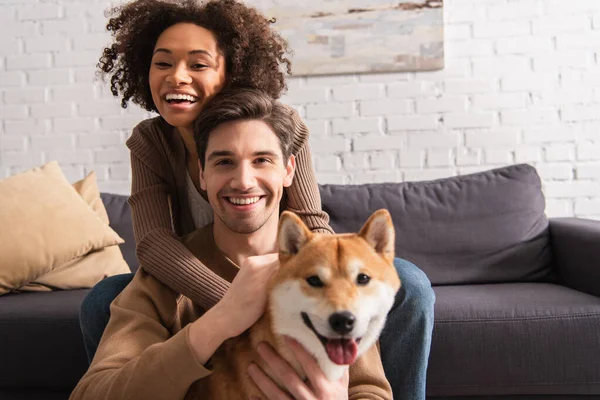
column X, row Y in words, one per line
column 314, row 281
column 363, row 279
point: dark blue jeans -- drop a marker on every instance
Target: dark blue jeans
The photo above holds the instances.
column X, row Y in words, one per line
column 406, row 338
column 95, row 310
column 405, row 341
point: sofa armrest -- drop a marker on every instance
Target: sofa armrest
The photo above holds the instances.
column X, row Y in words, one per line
column 576, row 248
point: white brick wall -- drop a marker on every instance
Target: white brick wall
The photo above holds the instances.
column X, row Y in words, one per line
column 521, row 84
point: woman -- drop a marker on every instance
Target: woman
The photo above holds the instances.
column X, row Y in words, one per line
column 172, row 58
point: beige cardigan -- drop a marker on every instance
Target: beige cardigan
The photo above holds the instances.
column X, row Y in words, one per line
column 145, row 352
column 161, row 214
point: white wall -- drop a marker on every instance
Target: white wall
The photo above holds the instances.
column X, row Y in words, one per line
column 521, row 84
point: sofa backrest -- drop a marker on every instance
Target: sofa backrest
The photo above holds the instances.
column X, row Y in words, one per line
column 481, row 228
column 485, row 227
column 119, row 215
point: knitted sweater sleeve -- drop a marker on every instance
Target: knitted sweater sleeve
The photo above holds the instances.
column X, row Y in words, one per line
column 159, row 249
column 303, row 197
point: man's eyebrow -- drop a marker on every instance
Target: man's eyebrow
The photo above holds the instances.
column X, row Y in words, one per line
column 269, row 153
column 162, row 50
column 219, row 153
column 227, row 153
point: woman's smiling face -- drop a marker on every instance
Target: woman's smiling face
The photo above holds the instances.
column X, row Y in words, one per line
column 187, row 70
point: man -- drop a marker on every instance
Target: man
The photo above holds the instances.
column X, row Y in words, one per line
column 158, row 343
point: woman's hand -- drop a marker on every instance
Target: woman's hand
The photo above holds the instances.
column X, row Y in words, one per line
column 244, row 303
column 316, row 386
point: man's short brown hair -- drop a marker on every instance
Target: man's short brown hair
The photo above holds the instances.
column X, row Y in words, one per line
column 235, row 104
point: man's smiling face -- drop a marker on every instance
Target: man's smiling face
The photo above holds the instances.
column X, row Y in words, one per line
column 244, row 174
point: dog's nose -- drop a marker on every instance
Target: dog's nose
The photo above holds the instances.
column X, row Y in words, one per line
column 342, row 322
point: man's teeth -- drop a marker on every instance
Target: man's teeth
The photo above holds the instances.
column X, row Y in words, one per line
column 244, row 201
column 173, row 96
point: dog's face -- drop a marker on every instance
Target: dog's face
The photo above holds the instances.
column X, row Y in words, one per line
column 332, row 293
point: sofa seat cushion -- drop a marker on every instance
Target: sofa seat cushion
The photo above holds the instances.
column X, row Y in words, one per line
column 521, row 338
column 487, row 227
column 40, row 340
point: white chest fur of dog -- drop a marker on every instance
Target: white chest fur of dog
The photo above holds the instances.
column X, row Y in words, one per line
column 331, row 293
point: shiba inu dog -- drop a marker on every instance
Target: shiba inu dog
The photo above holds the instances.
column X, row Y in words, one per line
column 331, row 293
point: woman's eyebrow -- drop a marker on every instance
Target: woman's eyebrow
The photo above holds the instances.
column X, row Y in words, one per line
column 162, row 50
column 201, row 52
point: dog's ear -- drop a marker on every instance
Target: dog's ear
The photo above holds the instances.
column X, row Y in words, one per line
column 292, row 234
column 379, row 232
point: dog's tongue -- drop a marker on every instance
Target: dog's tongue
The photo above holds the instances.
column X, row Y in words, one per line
column 342, row 351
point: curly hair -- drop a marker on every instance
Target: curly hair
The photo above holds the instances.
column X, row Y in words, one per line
column 255, row 54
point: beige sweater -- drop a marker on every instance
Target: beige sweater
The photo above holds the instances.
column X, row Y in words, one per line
column 161, row 213
column 145, row 351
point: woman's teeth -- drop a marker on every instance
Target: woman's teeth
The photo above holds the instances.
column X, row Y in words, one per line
column 180, row 97
column 243, row 201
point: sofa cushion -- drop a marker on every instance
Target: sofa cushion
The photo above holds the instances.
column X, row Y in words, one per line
column 45, row 224
column 479, row 228
column 89, row 192
column 516, row 338
column 40, row 340
column 119, row 214
column 87, row 270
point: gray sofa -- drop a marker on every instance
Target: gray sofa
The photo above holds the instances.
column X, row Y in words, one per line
column 518, row 296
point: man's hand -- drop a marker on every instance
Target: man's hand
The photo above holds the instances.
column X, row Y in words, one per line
column 315, row 387
column 245, row 301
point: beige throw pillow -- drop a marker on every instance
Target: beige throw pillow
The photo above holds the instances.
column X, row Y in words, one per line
column 87, row 270
column 43, row 224
column 82, row 272
column 89, row 192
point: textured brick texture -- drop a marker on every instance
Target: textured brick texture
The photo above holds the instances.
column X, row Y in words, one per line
column 521, row 84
